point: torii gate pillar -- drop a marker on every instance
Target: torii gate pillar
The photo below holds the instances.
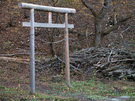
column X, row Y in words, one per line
column 67, row 69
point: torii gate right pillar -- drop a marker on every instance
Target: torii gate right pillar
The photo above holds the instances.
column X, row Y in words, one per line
column 67, row 62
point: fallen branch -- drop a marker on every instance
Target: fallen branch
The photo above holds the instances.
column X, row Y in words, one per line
column 111, row 69
column 70, row 64
column 124, row 31
column 102, row 67
column 124, row 60
column 110, row 56
column 15, row 54
column 88, row 70
column 26, row 61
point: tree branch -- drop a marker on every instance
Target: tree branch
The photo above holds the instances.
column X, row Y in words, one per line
column 104, row 33
column 89, row 7
column 120, row 21
column 55, row 2
column 125, row 18
column 104, row 9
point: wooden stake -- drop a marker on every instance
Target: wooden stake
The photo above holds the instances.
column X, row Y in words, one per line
column 50, row 17
column 67, row 68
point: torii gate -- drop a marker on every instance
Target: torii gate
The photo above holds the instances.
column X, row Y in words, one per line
column 32, row 24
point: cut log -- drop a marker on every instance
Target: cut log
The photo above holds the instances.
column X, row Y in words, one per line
column 111, row 69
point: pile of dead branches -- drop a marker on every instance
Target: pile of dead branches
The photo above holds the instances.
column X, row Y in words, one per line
column 110, row 62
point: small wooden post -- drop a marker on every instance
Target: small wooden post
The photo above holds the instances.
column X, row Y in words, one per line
column 50, row 17
column 32, row 53
column 67, row 68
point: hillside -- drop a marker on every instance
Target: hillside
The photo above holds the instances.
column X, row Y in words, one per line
column 14, row 37
column 87, row 79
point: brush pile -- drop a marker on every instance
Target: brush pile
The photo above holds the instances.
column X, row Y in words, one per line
column 110, row 62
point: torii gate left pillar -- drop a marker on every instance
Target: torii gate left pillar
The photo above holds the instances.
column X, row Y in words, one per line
column 32, row 24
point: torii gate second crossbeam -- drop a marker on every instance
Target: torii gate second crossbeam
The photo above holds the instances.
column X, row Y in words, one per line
column 32, row 24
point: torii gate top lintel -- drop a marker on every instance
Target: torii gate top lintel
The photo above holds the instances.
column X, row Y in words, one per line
column 46, row 8
column 50, row 9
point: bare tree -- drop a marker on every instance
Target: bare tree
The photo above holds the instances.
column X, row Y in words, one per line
column 98, row 18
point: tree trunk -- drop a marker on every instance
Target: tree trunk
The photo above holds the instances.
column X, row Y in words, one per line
column 97, row 39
